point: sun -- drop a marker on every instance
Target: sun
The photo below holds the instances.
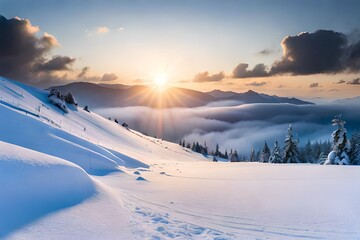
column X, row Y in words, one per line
column 160, row 80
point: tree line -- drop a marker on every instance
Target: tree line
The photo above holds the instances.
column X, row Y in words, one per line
column 341, row 150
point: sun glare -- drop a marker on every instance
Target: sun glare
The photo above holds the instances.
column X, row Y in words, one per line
column 160, row 80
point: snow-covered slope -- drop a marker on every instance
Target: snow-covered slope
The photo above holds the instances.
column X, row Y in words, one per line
column 80, row 176
column 87, row 139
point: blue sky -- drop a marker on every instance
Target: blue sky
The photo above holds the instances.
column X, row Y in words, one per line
column 182, row 38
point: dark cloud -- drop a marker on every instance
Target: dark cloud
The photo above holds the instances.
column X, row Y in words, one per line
column 323, row 51
column 314, row 85
column 341, row 81
column 206, row 77
column 23, row 53
column 241, row 71
column 309, row 53
column 107, row 77
column 256, row 84
column 57, row 63
column 355, row 81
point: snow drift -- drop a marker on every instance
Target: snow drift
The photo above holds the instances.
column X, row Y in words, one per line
column 34, row 184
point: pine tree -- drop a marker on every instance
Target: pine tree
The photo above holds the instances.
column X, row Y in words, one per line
column 275, row 156
column 197, row 147
column 217, row 151
column 86, row 108
column 180, row 143
column 340, row 143
column 265, row 154
column 355, row 149
column 291, row 152
column 183, row 143
column 226, row 155
column 322, row 158
column 309, row 154
column 193, row 146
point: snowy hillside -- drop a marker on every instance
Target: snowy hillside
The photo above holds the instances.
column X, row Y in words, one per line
column 77, row 175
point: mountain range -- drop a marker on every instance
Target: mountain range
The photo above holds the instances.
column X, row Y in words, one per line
column 118, row 95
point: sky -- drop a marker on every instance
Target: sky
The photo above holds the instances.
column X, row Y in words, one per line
column 293, row 48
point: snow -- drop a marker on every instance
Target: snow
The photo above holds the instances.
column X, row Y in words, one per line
column 77, row 175
column 34, row 184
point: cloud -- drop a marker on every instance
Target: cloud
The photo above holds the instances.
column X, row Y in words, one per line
column 341, row 81
column 355, row 81
column 281, row 86
column 314, row 85
column 240, row 71
column 323, row 51
column 120, row 28
column 107, row 77
column 102, row 30
column 333, row 90
column 24, row 55
column 57, row 63
column 83, row 72
column 237, row 127
column 205, row 77
column 266, row 52
column 256, row 84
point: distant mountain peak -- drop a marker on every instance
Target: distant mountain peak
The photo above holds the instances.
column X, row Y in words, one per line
column 107, row 95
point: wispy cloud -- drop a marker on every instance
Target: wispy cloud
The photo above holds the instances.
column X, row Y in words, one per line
column 314, row 85
column 102, row 30
column 355, row 81
column 256, row 84
column 341, row 81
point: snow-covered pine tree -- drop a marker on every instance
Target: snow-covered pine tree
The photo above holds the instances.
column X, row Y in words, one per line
column 355, row 149
column 322, row 158
column 340, row 144
column 291, row 152
column 275, row 156
column 265, row 154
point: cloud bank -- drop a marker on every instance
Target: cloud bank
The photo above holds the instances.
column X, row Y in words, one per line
column 237, row 127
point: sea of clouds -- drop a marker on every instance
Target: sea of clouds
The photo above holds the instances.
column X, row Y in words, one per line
column 240, row 127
